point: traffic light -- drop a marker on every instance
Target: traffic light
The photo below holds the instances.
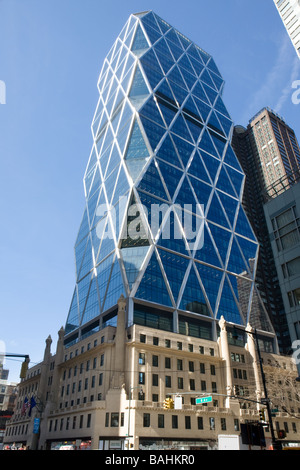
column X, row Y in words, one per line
column 262, row 416
column 24, row 368
column 168, row 404
column 281, row 434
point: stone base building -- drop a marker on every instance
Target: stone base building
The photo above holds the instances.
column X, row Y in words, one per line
column 108, row 391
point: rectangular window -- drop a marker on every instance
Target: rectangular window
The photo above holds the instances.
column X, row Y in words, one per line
column 174, row 421
column 187, row 422
column 168, row 381
column 161, row 421
column 142, row 378
column 114, row 420
column 155, row 380
column 141, row 359
column 200, row 422
column 146, row 420
column 155, row 361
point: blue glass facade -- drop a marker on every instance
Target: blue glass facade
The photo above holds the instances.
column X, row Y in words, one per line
column 163, row 223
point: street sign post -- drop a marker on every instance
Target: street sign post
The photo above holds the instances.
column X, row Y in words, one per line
column 199, row 401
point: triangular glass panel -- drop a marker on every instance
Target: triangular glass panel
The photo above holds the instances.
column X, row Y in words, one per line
column 207, row 145
column 211, row 280
column 197, row 168
column 212, row 165
column 219, row 142
column 175, row 268
column 135, row 233
column 152, row 286
column 152, row 33
column 133, row 259
column 214, row 124
column 165, row 92
column 228, row 307
column 216, row 213
column 138, row 87
column 150, row 61
column 92, row 204
column 179, row 127
column 185, row 196
column 84, row 227
column 114, row 160
column 207, row 253
column 151, row 111
column 163, row 25
column 166, row 63
column 153, row 75
column 202, row 191
column 153, row 131
column 184, row 149
column 79, row 254
column 212, row 94
column 92, row 162
column 96, row 181
column 218, row 81
column 211, row 65
column 176, row 77
column 73, row 319
column 136, row 147
column 92, row 307
column 168, row 153
column 96, row 235
column 115, row 287
column 230, row 206
column 151, row 182
column 172, row 234
column 168, row 111
column 203, row 55
column 194, row 126
column 135, row 166
column 198, row 68
column 83, row 289
column 104, row 158
column 162, row 48
column 224, row 184
column 121, row 187
column 186, row 64
column 140, row 43
column 110, row 184
column 236, row 263
column 103, row 273
column 219, row 105
column 250, row 252
column 176, row 51
column 172, row 36
column 198, row 92
column 171, row 176
column 237, row 179
column 150, row 20
column 231, row 159
column 243, row 226
column 193, row 299
column 226, row 123
column 222, row 239
column 87, row 262
column 206, row 78
column 203, row 108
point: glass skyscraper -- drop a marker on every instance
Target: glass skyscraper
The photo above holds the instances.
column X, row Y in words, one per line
column 163, row 223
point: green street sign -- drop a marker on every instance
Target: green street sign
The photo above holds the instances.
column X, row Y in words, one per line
column 199, row 401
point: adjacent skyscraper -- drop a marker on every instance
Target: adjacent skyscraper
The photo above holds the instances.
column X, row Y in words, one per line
column 289, row 11
column 163, row 223
column 270, row 156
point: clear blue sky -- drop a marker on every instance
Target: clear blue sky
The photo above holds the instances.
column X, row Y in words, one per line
column 51, row 53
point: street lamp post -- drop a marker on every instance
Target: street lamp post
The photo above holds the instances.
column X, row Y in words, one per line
column 276, row 445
